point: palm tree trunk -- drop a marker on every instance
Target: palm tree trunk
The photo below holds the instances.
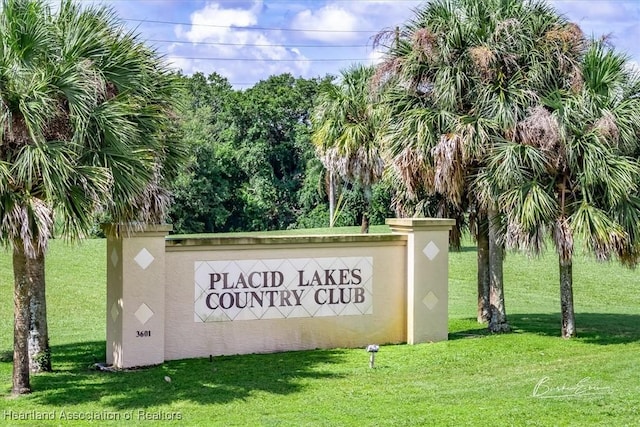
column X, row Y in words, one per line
column 39, row 351
column 21, row 316
column 332, row 199
column 498, row 315
column 364, row 228
column 566, row 298
column 484, row 277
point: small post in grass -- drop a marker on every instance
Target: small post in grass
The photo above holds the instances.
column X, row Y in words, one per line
column 372, row 349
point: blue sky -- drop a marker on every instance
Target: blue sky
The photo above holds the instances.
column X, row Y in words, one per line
column 248, row 40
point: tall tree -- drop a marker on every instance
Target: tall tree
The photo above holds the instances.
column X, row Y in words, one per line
column 568, row 170
column 249, row 153
column 85, row 111
column 274, row 146
column 458, row 78
column 205, row 192
column 346, row 126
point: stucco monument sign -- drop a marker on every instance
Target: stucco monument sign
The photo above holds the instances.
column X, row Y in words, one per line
column 173, row 297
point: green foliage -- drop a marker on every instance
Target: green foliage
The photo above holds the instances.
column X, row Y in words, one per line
column 568, row 171
column 249, row 154
column 273, row 144
column 86, row 129
column 505, row 109
column 204, row 191
column 314, row 186
column 381, row 201
column 85, row 122
column 252, row 165
column 457, row 79
column 346, row 126
column 313, row 199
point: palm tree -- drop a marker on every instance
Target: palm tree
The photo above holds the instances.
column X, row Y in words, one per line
column 568, row 170
column 458, row 78
column 345, row 129
column 84, row 114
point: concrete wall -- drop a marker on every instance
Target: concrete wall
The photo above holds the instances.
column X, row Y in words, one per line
column 135, row 296
column 386, row 324
column 156, row 287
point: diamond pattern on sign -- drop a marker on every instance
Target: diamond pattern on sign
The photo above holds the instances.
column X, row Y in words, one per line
column 143, row 313
column 298, row 311
column 351, row 310
column 115, row 312
column 144, row 258
column 244, row 315
column 430, row 300
column 203, row 270
column 201, row 277
column 114, row 257
column 431, row 250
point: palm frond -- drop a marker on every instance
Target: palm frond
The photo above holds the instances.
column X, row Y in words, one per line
column 602, row 234
column 346, row 127
column 85, row 121
column 449, row 169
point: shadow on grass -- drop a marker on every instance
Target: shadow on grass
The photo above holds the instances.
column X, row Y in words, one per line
column 221, row 380
column 479, row 332
column 464, row 249
column 592, row 328
column 6, row 356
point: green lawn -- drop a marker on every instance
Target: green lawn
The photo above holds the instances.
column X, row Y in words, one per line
column 529, row 377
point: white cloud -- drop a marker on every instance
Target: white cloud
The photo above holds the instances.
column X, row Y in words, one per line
column 353, row 20
column 226, row 43
column 213, row 22
column 329, row 23
column 179, row 63
column 634, row 66
column 376, row 56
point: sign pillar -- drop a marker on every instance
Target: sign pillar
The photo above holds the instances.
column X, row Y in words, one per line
column 427, row 276
column 135, row 295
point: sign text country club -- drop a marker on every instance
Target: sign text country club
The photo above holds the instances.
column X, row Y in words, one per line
column 282, row 288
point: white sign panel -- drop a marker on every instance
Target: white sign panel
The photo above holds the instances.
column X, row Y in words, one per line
column 282, row 288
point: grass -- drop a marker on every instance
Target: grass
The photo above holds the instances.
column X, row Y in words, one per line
column 472, row 379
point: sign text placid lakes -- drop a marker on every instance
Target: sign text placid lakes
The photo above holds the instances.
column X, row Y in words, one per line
column 282, row 288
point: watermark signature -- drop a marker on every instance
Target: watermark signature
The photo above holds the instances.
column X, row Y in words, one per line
column 546, row 389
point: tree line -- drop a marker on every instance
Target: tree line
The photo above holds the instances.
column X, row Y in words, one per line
column 252, row 164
